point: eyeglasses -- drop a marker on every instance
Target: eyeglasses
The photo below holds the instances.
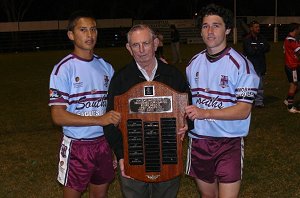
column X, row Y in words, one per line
column 137, row 46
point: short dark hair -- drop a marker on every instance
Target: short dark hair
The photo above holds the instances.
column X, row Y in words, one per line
column 77, row 15
column 253, row 23
column 213, row 9
column 293, row 26
column 173, row 26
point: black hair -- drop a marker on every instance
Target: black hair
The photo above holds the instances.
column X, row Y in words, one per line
column 293, row 26
column 173, row 27
column 253, row 23
column 77, row 15
column 213, row 9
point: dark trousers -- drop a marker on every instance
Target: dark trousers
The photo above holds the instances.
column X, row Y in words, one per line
column 259, row 100
column 138, row 189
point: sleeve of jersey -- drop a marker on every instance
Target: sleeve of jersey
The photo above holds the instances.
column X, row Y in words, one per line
column 248, row 82
column 59, row 88
column 111, row 71
column 109, row 67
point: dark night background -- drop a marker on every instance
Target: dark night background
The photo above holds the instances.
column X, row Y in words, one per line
column 37, row 10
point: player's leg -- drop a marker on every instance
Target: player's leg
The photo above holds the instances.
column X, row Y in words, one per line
column 292, row 75
column 103, row 172
column 201, row 165
column 207, row 190
column 291, row 95
column 99, row 191
column 230, row 166
column 293, row 88
column 68, row 169
column 70, row 193
column 229, row 190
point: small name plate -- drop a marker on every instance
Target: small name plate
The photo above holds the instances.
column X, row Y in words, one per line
column 150, row 104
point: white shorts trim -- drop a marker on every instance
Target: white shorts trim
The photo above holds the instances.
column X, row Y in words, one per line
column 63, row 164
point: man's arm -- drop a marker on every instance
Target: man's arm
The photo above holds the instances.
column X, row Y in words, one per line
column 239, row 111
column 112, row 133
column 264, row 45
column 62, row 117
column 248, row 48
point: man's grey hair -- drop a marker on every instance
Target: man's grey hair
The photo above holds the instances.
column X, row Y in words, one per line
column 140, row 27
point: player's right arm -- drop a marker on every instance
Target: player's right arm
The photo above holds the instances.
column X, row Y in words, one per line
column 62, row 117
column 122, row 169
column 249, row 48
column 239, row 111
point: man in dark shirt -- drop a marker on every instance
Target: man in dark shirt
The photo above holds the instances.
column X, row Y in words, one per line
column 175, row 44
column 255, row 46
column 142, row 43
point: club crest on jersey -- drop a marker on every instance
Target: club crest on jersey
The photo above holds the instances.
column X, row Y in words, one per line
column 224, row 81
column 197, row 76
column 54, row 93
column 77, row 83
column 106, row 81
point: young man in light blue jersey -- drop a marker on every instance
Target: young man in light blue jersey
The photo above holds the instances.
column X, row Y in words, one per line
column 78, row 100
column 223, row 85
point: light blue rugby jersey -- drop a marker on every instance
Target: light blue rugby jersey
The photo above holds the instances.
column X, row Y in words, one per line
column 220, row 84
column 82, row 86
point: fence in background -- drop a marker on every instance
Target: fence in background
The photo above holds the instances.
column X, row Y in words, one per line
column 55, row 39
column 48, row 35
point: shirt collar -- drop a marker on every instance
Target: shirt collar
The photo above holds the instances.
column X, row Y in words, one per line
column 147, row 77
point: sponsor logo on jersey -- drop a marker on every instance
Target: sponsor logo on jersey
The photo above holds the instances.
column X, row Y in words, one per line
column 106, row 80
column 197, row 76
column 210, row 103
column 54, row 93
column 224, row 81
column 77, row 83
column 92, row 113
column 245, row 93
column 84, row 102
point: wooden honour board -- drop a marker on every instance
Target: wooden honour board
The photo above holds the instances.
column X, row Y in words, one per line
column 152, row 114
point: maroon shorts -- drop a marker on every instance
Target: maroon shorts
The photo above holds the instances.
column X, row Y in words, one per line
column 83, row 162
column 215, row 159
column 293, row 75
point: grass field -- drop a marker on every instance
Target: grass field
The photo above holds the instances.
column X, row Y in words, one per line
column 29, row 142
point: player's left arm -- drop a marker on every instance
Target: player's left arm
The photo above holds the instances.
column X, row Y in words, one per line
column 297, row 53
column 62, row 117
column 239, row 111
